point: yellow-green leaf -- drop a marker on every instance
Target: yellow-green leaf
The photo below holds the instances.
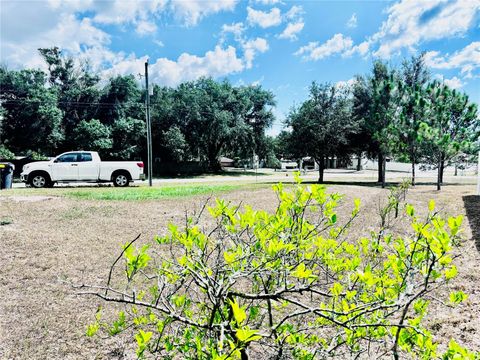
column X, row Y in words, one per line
column 246, row 335
column 239, row 314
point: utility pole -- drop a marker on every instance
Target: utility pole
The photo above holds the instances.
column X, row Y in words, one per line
column 149, row 127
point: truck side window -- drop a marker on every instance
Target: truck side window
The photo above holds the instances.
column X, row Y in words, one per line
column 72, row 157
column 86, row 157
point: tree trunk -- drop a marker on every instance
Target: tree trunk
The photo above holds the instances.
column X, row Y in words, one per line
column 214, row 164
column 359, row 162
column 442, row 169
column 439, row 176
column 456, row 169
column 380, row 167
column 384, row 170
column 321, row 167
column 413, row 172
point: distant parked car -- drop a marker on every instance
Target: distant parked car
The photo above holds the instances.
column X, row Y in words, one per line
column 84, row 166
column 288, row 164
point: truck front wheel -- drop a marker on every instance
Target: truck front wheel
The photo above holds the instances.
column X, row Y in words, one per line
column 40, row 180
column 121, row 179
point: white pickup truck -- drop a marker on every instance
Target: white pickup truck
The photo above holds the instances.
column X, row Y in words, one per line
column 84, row 166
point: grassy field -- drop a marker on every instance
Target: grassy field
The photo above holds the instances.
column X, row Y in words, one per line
column 148, row 193
column 127, row 194
column 54, row 237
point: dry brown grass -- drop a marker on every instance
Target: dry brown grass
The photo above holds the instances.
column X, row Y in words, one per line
column 55, row 238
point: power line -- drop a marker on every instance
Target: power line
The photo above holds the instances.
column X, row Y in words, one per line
column 70, row 102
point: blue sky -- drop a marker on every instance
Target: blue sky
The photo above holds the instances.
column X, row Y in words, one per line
column 282, row 45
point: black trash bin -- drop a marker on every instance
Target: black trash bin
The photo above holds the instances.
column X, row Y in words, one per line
column 6, row 175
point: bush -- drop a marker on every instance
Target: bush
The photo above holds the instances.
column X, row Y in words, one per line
column 36, row 156
column 272, row 162
column 287, row 284
column 6, row 154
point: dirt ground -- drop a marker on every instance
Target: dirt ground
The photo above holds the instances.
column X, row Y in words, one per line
column 51, row 240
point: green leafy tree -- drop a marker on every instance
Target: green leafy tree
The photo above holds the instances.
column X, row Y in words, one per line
column 285, row 284
column 174, row 141
column 256, row 112
column 31, row 118
column 406, row 134
column 128, row 137
column 93, row 135
column 76, row 88
column 453, row 127
column 214, row 118
column 283, row 146
column 322, row 125
column 374, row 106
column 121, row 98
column 267, row 152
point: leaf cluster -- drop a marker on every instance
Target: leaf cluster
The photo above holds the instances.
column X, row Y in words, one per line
column 287, row 284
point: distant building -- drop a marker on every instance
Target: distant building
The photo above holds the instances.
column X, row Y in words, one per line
column 226, row 162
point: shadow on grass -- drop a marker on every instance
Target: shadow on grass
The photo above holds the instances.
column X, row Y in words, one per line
column 378, row 185
column 220, row 173
column 472, row 207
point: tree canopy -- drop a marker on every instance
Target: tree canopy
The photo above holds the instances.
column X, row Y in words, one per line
column 391, row 112
column 322, row 125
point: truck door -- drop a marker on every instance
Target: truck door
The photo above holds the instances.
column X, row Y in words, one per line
column 65, row 167
column 87, row 168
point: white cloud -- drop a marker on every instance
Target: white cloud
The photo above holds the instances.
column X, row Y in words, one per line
column 189, row 11
column 292, row 30
column 345, row 84
column 338, row 44
column 264, row 19
column 146, row 27
column 409, row 24
column 294, row 12
column 296, row 24
column 236, row 29
column 259, row 44
column 99, row 57
column 454, row 83
column 267, row 2
column 216, row 63
column 352, row 22
column 258, row 81
column 361, row 49
column 466, row 59
column 412, row 22
column 194, row 10
column 73, row 25
column 120, row 11
column 69, row 34
column 250, row 49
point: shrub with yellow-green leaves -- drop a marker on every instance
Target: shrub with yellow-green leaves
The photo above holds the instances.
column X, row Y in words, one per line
column 286, row 285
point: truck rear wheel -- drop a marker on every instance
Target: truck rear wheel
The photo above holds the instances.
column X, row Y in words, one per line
column 121, row 179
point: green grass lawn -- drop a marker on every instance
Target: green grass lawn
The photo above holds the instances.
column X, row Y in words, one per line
column 147, row 193
column 129, row 193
